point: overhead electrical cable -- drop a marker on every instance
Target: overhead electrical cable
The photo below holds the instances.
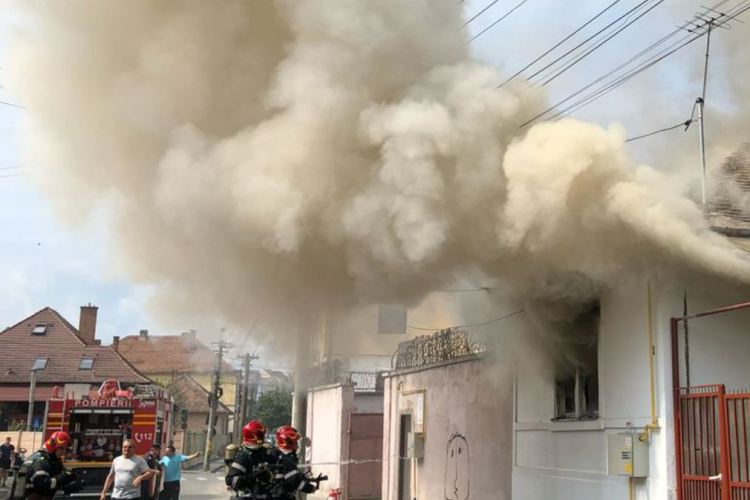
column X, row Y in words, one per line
column 600, row 44
column 479, row 13
column 511, row 11
column 471, row 325
column 558, row 44
column 566, row 54
column 685, row 124
column 690, row 37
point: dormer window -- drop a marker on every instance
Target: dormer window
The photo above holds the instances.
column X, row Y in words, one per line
column 86, row 364
column 39, row 329
column 39, row 364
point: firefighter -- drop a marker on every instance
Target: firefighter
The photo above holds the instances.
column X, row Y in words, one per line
column 289, row 480
column 249, row 474
column 47, row 473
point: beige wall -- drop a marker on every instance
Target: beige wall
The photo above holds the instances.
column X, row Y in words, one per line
column 32, row 441
column 467, row 404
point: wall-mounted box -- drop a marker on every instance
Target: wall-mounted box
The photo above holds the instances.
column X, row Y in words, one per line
column 627, row 455
column 415, row 445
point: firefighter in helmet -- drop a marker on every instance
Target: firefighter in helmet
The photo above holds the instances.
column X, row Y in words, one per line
column 289, row 480
column 249, row 474
column 47, row 473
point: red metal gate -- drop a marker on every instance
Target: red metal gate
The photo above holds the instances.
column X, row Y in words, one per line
column 712, row 442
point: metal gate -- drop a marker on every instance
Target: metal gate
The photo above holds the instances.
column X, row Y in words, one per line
column 712, row 442
column 364, row 480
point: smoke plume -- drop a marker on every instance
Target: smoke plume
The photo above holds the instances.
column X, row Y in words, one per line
column 277, row 155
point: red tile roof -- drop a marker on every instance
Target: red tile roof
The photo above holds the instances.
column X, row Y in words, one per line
column 63, row 348
column 154, row 354
column 191, row 396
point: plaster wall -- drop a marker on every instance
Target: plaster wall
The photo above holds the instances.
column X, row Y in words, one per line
column 468, row 432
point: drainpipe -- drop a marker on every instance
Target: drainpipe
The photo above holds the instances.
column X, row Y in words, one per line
column 654, row 424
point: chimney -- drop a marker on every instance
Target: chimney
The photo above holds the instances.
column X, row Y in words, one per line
column 143, row 334
column 115, row 343
column 189, row 337
column 87, row 324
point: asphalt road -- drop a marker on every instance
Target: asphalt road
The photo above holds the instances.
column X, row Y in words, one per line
column 199, row 485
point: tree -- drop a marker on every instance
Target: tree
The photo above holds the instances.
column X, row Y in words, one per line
column 274, row 408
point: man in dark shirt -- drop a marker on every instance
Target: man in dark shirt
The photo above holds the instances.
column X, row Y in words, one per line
column 7, row 455
column 150, row 488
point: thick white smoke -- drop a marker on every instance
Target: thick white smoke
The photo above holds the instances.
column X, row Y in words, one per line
column 277, row 155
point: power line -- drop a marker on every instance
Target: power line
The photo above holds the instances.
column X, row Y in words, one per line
column 6, row 103
column 648, row 63
column 487, row 289
column 479, row 13
column 12, row 168
column 685, row 124
column 9, row 175
column 472, row 325
column 589, row 39
column 602, row 12
column 511, row 11
column 600, row 44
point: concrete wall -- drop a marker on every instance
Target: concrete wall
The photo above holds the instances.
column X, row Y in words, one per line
column 467, row 404
column 328, row 410
column 565, row 460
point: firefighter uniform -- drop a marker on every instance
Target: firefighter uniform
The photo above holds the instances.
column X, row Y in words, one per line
column 47, row 475
column 289, row 480
column 248, row 475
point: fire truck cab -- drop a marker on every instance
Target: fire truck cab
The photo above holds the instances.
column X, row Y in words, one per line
column 98, row 423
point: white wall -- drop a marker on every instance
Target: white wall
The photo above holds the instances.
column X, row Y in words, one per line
column 470, row 398
column 327, row 414
column 557, row 460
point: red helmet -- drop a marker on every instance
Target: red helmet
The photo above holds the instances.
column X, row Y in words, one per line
column 254, row 433
column 59, row 439
column 287, row 437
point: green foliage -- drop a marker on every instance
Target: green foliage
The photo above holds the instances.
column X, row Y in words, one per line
column 274, row 408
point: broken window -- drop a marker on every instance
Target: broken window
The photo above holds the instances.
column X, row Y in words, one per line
column 577, row 379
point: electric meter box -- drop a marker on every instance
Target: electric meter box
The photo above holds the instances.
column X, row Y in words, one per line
column 627, row 455
column 415, row 445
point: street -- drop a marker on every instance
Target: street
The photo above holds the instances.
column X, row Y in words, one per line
column 199, row 485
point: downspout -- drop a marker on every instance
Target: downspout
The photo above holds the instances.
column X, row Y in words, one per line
column 654, row 424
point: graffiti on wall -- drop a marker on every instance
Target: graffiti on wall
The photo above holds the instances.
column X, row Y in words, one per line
column 457, row 473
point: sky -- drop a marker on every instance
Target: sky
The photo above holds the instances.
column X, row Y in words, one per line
column 44, row 262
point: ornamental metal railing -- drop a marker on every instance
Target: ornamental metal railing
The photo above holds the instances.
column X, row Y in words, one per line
column 441, row 346
column 337, row 371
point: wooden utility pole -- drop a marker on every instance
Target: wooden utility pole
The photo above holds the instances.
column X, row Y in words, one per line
column 213, row 399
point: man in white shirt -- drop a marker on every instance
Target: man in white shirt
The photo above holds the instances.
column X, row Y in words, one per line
column 127, row 473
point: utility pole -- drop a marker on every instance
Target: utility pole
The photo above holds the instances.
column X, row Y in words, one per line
column 213, row 399
column 701, row 103
column 32, row 400
column 242, row 409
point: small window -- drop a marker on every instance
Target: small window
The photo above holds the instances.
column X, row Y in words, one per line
column 86, row 364
column 577, row 378
column 39, row 329
column 39, row 364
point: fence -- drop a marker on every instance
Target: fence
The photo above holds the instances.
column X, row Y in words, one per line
column 713, row 438
column 440, row 346
column 30, row 441
column 337, row 371
column 188, row 443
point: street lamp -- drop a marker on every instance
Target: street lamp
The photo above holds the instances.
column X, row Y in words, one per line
column 39, row 365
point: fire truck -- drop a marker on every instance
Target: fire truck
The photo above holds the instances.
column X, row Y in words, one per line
column 99, row 422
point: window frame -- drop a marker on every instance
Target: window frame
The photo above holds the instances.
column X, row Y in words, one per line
column 40, row 329
column 42, row 361
column 90, row 363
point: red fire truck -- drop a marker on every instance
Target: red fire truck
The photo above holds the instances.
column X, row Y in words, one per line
column 99, row 422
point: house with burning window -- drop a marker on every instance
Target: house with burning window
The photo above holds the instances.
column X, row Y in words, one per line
column 644, row 393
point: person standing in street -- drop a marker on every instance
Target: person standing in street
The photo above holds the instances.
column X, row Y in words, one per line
column 7, row 456
column 150, row 488
column 172, row 467
column 127, row 473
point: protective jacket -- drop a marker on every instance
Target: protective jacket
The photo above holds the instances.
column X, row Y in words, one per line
column 289, row 479
column 249, row 475
column 47, row 475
